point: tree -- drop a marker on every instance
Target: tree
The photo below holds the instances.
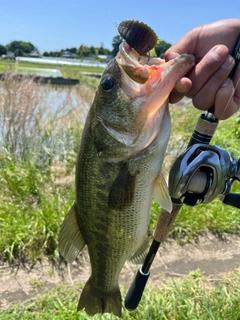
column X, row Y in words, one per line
column 101, row 50
column 73, row 50
column 83, row 51
column 161, row 47
column 18, row 53
column 45, row 54
column 25, row 47
column 55, row 54
column 3, row 49
column 117, row 40
column 92, row 51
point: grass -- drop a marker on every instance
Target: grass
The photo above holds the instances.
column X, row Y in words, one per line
column 192, row 297
column 31, row 208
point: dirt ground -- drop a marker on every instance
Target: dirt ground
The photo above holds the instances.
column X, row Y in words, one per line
column 214, row 257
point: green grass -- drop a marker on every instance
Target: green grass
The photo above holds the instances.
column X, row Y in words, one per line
column 32, row 207
column 192, row 297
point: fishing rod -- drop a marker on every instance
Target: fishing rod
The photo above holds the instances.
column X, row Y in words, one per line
column 198, row 175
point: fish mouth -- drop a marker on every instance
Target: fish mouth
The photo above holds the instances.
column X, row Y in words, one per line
column 142, row 75
column 133, row 64
column 147, row 81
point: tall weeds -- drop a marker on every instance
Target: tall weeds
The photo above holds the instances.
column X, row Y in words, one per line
column 39, row 120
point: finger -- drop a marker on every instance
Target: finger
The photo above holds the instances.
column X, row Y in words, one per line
column 205, row 98
column 236, row 82
column 206, row 68
column 181, row 89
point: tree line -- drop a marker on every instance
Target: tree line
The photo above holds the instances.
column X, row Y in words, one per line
column 81, row 52
column 21, row 48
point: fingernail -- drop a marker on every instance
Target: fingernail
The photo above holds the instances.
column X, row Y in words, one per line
column 226, row 82
column 228, row 62
column 219, row 52
column 181, row 87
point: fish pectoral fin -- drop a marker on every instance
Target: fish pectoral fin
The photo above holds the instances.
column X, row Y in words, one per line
column 122, row 190
column 71, row 241
column 161, row 193
column 140, row 254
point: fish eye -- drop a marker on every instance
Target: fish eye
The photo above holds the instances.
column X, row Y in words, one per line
column 107, row 83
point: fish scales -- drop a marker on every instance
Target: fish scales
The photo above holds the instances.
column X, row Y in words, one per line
column 108, row 238
column 119, row 170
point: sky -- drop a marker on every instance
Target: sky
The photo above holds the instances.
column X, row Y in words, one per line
column 52, row 25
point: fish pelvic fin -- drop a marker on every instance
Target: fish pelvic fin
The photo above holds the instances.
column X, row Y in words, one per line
column 161, row 193
column 71, row 241
column 94, row 301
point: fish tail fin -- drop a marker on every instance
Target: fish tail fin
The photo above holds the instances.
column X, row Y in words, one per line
column 95, row 301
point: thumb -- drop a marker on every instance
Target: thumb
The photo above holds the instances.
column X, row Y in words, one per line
column 170, row 54
column 180, row 90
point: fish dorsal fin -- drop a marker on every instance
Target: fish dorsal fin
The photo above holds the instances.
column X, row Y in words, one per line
column 140, row 254
column 71, row 241
column 161, row 193
column 122, row 190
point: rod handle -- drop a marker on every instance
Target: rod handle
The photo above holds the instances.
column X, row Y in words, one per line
column 165, row 222
column 136, row 289
column 232, row 199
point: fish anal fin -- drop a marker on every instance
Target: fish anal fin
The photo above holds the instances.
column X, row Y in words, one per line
column 140, row 254
column 70, row 239
column 161, row 193
column 122, row 190
column 94, row 301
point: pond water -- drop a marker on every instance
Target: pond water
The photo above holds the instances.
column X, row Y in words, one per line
column 40, row 72
column 41, row 118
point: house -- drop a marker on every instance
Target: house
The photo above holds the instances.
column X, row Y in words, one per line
column 68, row 54
column 34, row 53
column 105, row 58
column 8, row 55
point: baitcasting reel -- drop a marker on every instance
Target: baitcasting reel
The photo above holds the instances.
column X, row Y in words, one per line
column 203, row 172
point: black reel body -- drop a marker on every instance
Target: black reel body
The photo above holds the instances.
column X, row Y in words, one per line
column 201, row 173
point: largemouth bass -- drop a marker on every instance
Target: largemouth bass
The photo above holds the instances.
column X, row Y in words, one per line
column 118, row 171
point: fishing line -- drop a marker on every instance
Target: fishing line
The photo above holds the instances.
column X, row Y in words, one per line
column 231, row 96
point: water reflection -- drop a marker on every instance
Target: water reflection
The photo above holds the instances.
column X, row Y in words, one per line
column 40, row 72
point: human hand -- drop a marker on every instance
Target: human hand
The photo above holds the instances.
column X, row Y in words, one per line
column 208, row 83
